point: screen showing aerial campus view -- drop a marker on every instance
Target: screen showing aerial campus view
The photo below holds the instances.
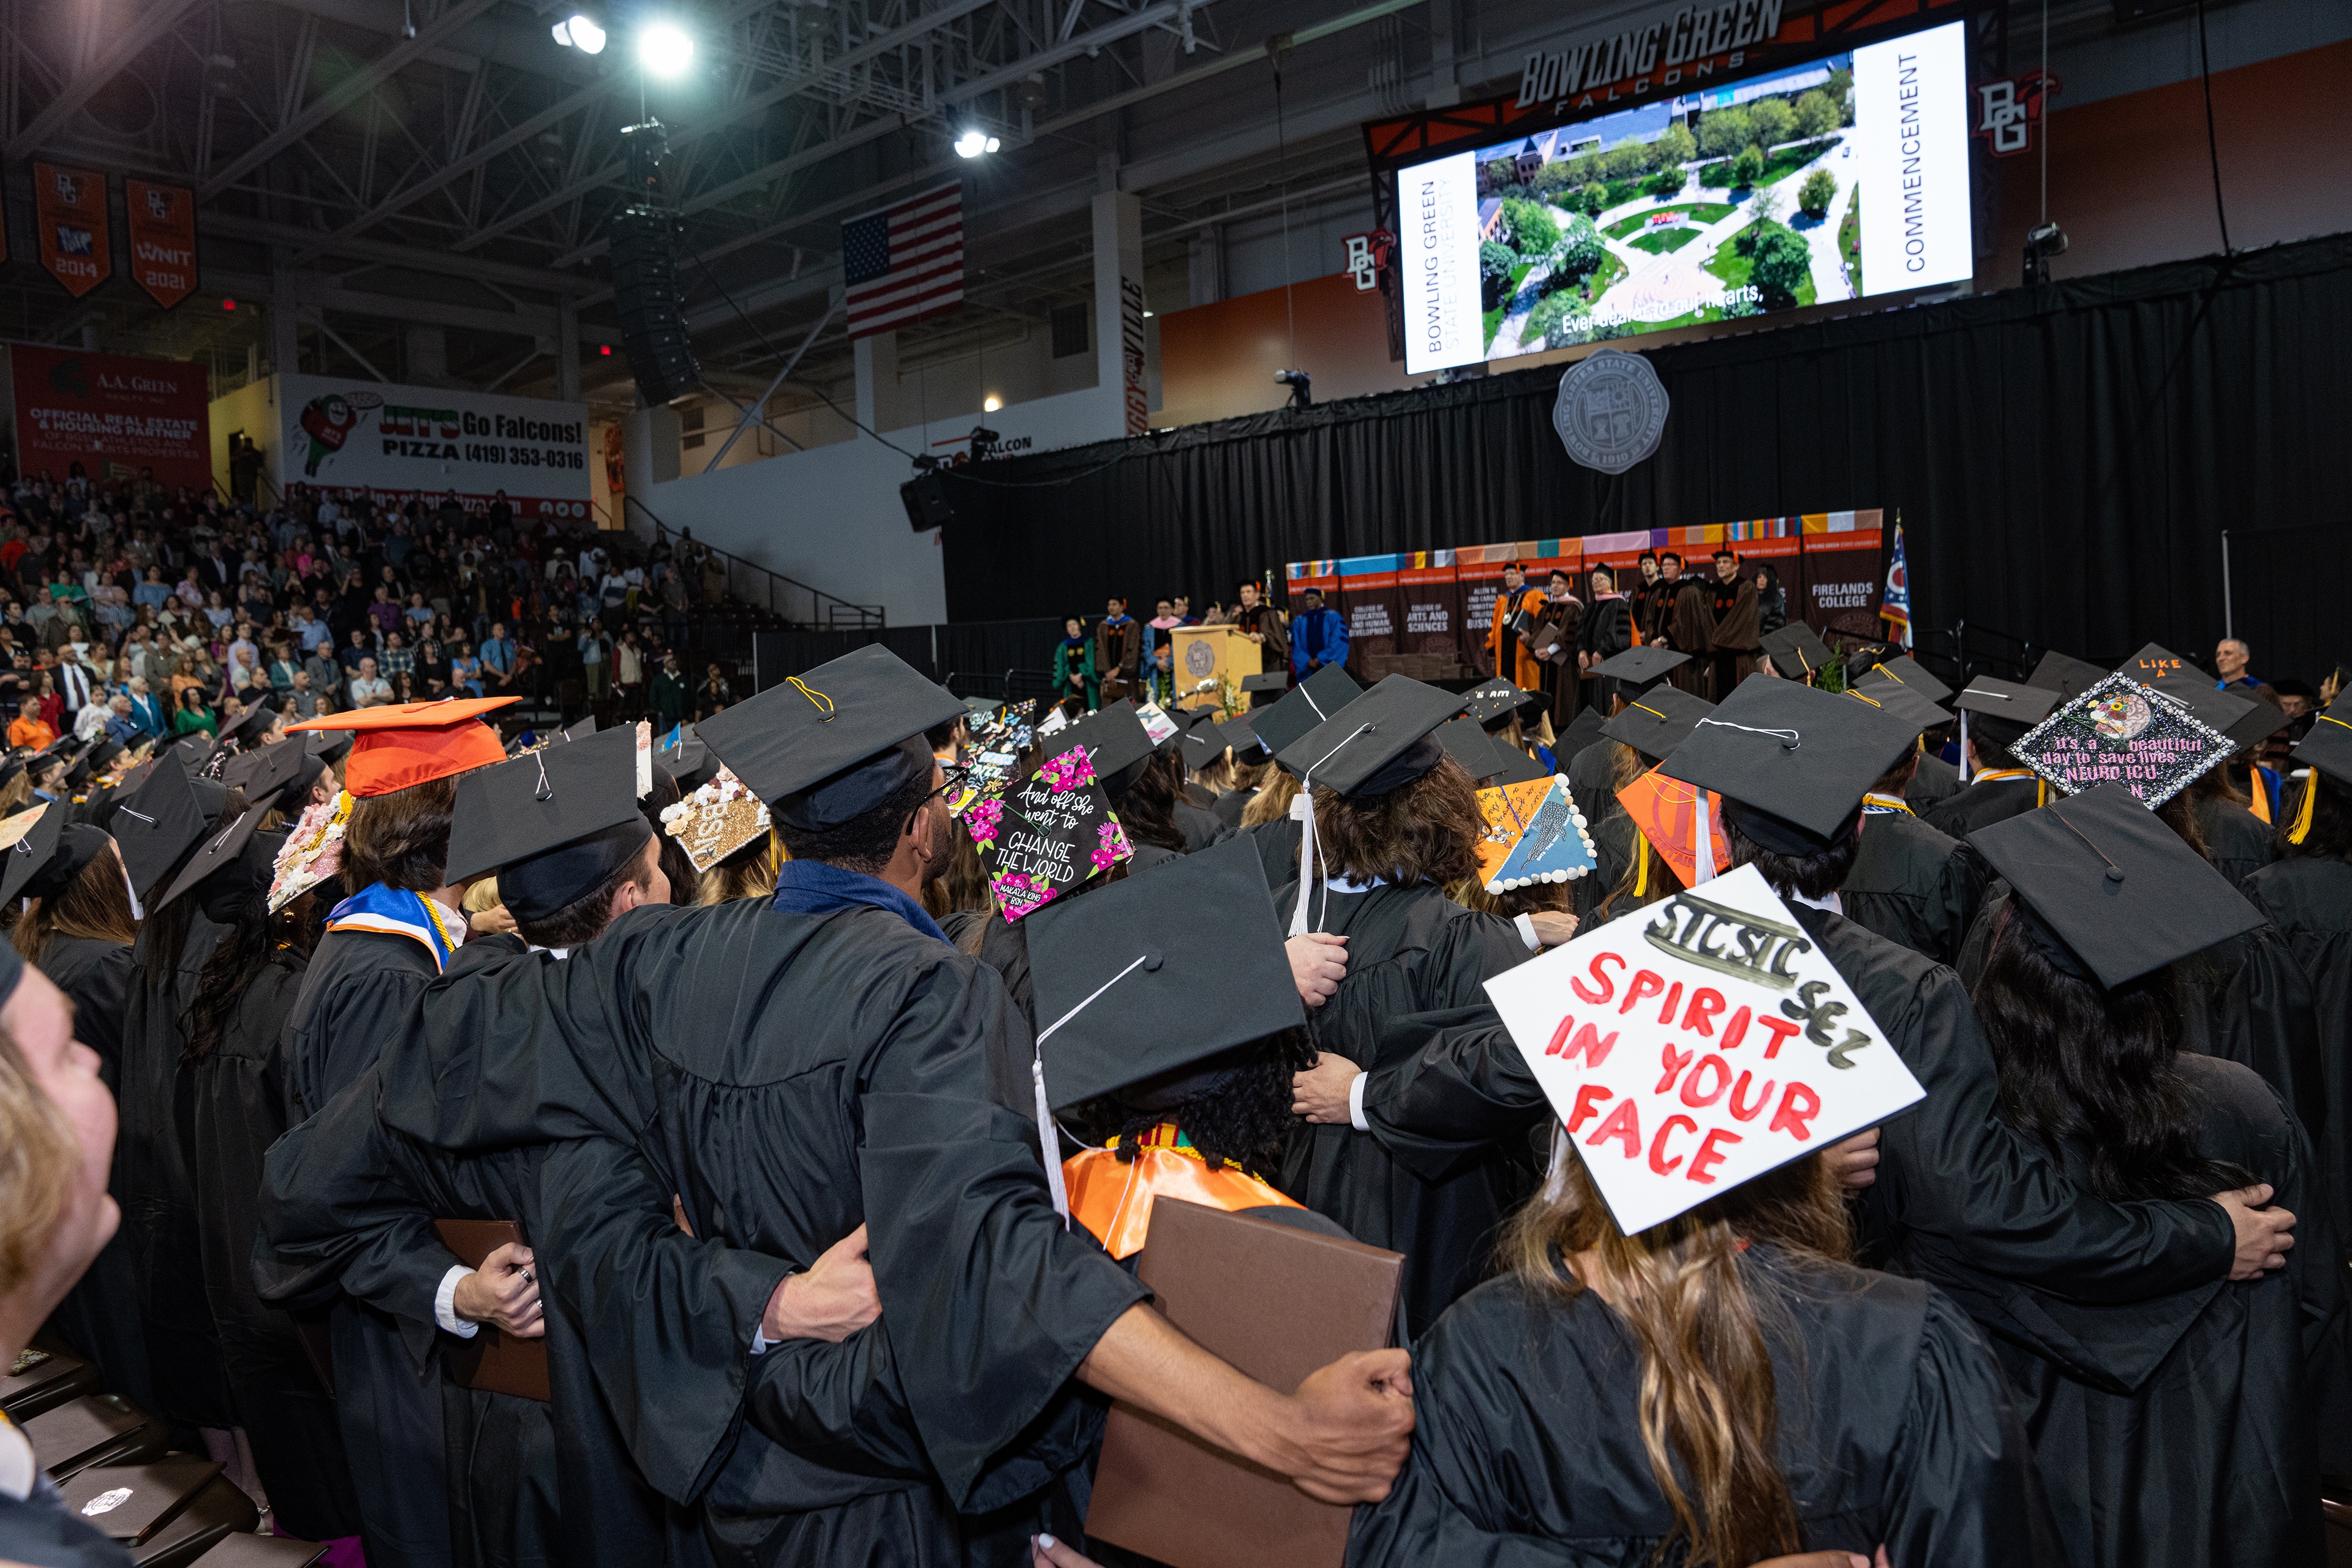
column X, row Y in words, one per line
column 1833, row 180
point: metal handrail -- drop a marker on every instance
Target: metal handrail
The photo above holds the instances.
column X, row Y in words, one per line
column 826, row 612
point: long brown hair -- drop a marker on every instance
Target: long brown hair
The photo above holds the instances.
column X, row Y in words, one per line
column 1707, row 1395
column 1277, row 787
column 748, row 872
column 1425, row 831
column 95, row 904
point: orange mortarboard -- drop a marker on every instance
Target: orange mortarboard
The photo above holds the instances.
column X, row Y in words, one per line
column 413, row 742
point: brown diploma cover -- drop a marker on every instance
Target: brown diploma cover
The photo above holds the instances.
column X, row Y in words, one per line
column 490, row 1361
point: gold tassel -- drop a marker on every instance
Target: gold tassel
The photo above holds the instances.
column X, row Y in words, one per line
column 2302, row 828
column 1642, row 868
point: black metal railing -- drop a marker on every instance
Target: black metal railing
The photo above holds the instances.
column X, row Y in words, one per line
column 797, row 604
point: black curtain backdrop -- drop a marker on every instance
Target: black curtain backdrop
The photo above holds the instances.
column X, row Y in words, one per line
column 2063, row 460
column 981, row 652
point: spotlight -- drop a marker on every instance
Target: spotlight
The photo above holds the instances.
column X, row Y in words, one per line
column 2043, row 242
column 1301, row 384
column 664, row 49
column 974, row 141
column 581, row 33
column 992, row 403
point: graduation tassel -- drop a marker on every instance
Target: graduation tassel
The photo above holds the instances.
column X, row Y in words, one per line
column 1304, row 806
column 1049, row 1142
column 2302, row 828
column 1704, row 846
column 1964, row 745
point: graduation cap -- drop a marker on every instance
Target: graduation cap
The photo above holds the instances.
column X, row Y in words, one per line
column 837, row 741
column 1111, row 969
column 1376, row 744
column 157, row 823
column 330, row 746
column 2245, row 720
column 249, row 726
column 1514, row 765
column 408, row 743
column 1582, row 730
column 1325, row 691
column 2166, row 670
column 1465, row 741
column 1658, row 721
column 1907, row 671
column 2121, row 729
column 2064, row 674
column 1492, row 702
column 2114, row 883
column 27, row 841
column 2328, row 747
column 312, row 852
column 263, row 773
column 1796, row 650
column 719, row 819
column 194, row 750
column 1641, row 667
column 1204, row 745
column 1248, row 750
column 583, row 729
column 554, row 825
column 1116, row 741
column 1900, row 701
column 216, row 852
column 2001, row 711
column 1541, row 835
column 687, row 761
column 1794, row 756
column 1269, row 680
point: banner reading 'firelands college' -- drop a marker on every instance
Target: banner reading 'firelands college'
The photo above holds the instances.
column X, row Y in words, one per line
column 115, row 416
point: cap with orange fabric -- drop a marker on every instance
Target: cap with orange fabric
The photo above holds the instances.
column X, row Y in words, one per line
column 409, row 743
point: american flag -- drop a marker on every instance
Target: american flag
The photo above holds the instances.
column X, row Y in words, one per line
column 904, row 263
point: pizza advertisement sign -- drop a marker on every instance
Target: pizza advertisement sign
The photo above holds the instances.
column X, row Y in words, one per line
column 2120, row 731
column 1697, row 1044
column 1046, row 837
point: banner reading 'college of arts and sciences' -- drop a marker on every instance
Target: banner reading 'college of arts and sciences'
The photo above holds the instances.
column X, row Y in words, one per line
column 69, row 209
column 116, row 415
column 162, row 239
column 401, row 443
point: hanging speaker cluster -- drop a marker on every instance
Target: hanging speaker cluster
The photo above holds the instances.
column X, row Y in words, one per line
column 646, row 299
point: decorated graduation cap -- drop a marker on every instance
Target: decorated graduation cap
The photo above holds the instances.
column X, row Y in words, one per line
column 2123, row 732
column 1899, row 701
column 2064, row 674
column 2160, row 667
column 554, row 824
column 1465, row 741
column 719, row 819
column 1534, row 833
column 1492, row 702
column 312, row 852
column 835, row 743
column 1641, row 667
column 1907, row 671
column 1658, row 721
column 2115, row 884
column 1111, row 970
column 157, row 823
column 1796, row 650
column 1790, row 760
column 2002, row 712
column 408, row 743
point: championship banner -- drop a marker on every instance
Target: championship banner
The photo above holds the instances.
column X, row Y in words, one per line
column 116, row 415
column 1697, row 1044
column 69, row 207
column 162, row 239
column 404, row 443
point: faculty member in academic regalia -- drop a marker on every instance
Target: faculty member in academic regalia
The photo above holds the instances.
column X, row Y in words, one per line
column 1994, row 715
column 786, row 1070
column 2208, row 1452
column 1395, row 821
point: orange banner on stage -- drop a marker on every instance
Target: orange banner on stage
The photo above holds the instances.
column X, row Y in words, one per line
column 162, row 239
column 69, row 207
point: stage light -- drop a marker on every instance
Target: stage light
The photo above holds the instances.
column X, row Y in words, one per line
column 581, row 33
column 664, row 49
column 992, row 403
column 974, row 141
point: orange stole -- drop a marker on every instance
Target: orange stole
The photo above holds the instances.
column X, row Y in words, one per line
column 1113, row 1201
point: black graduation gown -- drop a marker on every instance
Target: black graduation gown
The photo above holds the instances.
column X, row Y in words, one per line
column 1960, row 1200
column 1981, row 805
column 1592, row 772
column 100, row 1317
column 155, row 1185
column 2238, row 842
column 1410, row 950
column 231, row 1108
column 2309, row 902
column 786, row 1076
column 2211, row 1457
column 1278, row 848
column 1933, row 782
column 359, row 994
column 1231, row 805
column 1200, row 827
column 1526, row 1448
column 1914, row 885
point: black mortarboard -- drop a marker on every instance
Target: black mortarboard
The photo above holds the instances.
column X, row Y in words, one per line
column 1117, row 745
column 29, row 843
column 1492, row 702
column 1658, row 721
column 79, row 773
column 1266, row 680
column 554, row 825
column 1248, row 749
column 74, row 845
column 1900, row 701
column 2328, row 747
column 1796, row 650
column 2114, row 883
column 2166, row 670
column 1465, row 740
column 687, row 761
column 1641, row 667
column 1190, row 719
column 2064, row 674
column 1111, row 970
column 2245, row 720
column 249, row 726
column 1582, row 730
column 2002, row 712
column 1514, row 765
column 1204, row 745
column 1906, row 671
column 104, row 752
column 835, row 743
column 158, row 823
column 1791, row 752
column 194, row 750
column 1325, row 692
column 218, row 851
column 264, row 771
column 330, row 746
column 1378, row 742
column 583, row 729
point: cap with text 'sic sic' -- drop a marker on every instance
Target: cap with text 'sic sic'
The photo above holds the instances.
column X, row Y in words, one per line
column 2114, row 882
column 836, row 741
column 555, row 823
column 409, row 743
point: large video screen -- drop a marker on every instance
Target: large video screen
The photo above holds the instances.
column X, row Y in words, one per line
column 1837, row 179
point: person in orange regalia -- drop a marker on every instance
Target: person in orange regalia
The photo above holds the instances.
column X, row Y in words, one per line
column 1522, row 669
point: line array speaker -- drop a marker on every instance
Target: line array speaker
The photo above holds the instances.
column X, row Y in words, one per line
column 646, row 299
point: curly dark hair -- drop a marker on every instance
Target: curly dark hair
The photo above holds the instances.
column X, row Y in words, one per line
column 1814, row 876
column 400, row 839
column 2330, row 837
column 1244, row 1121
column 1425, row 831
column 255, row 938
column 2092, row 1070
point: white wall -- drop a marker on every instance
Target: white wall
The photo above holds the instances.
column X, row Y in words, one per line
column 831, row 517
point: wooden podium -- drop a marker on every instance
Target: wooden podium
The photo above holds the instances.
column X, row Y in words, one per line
column 1217, row 654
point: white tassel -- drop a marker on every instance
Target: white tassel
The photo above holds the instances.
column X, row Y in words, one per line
column 1050, row 1144
column 1964, row 745
column 1706, row 859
